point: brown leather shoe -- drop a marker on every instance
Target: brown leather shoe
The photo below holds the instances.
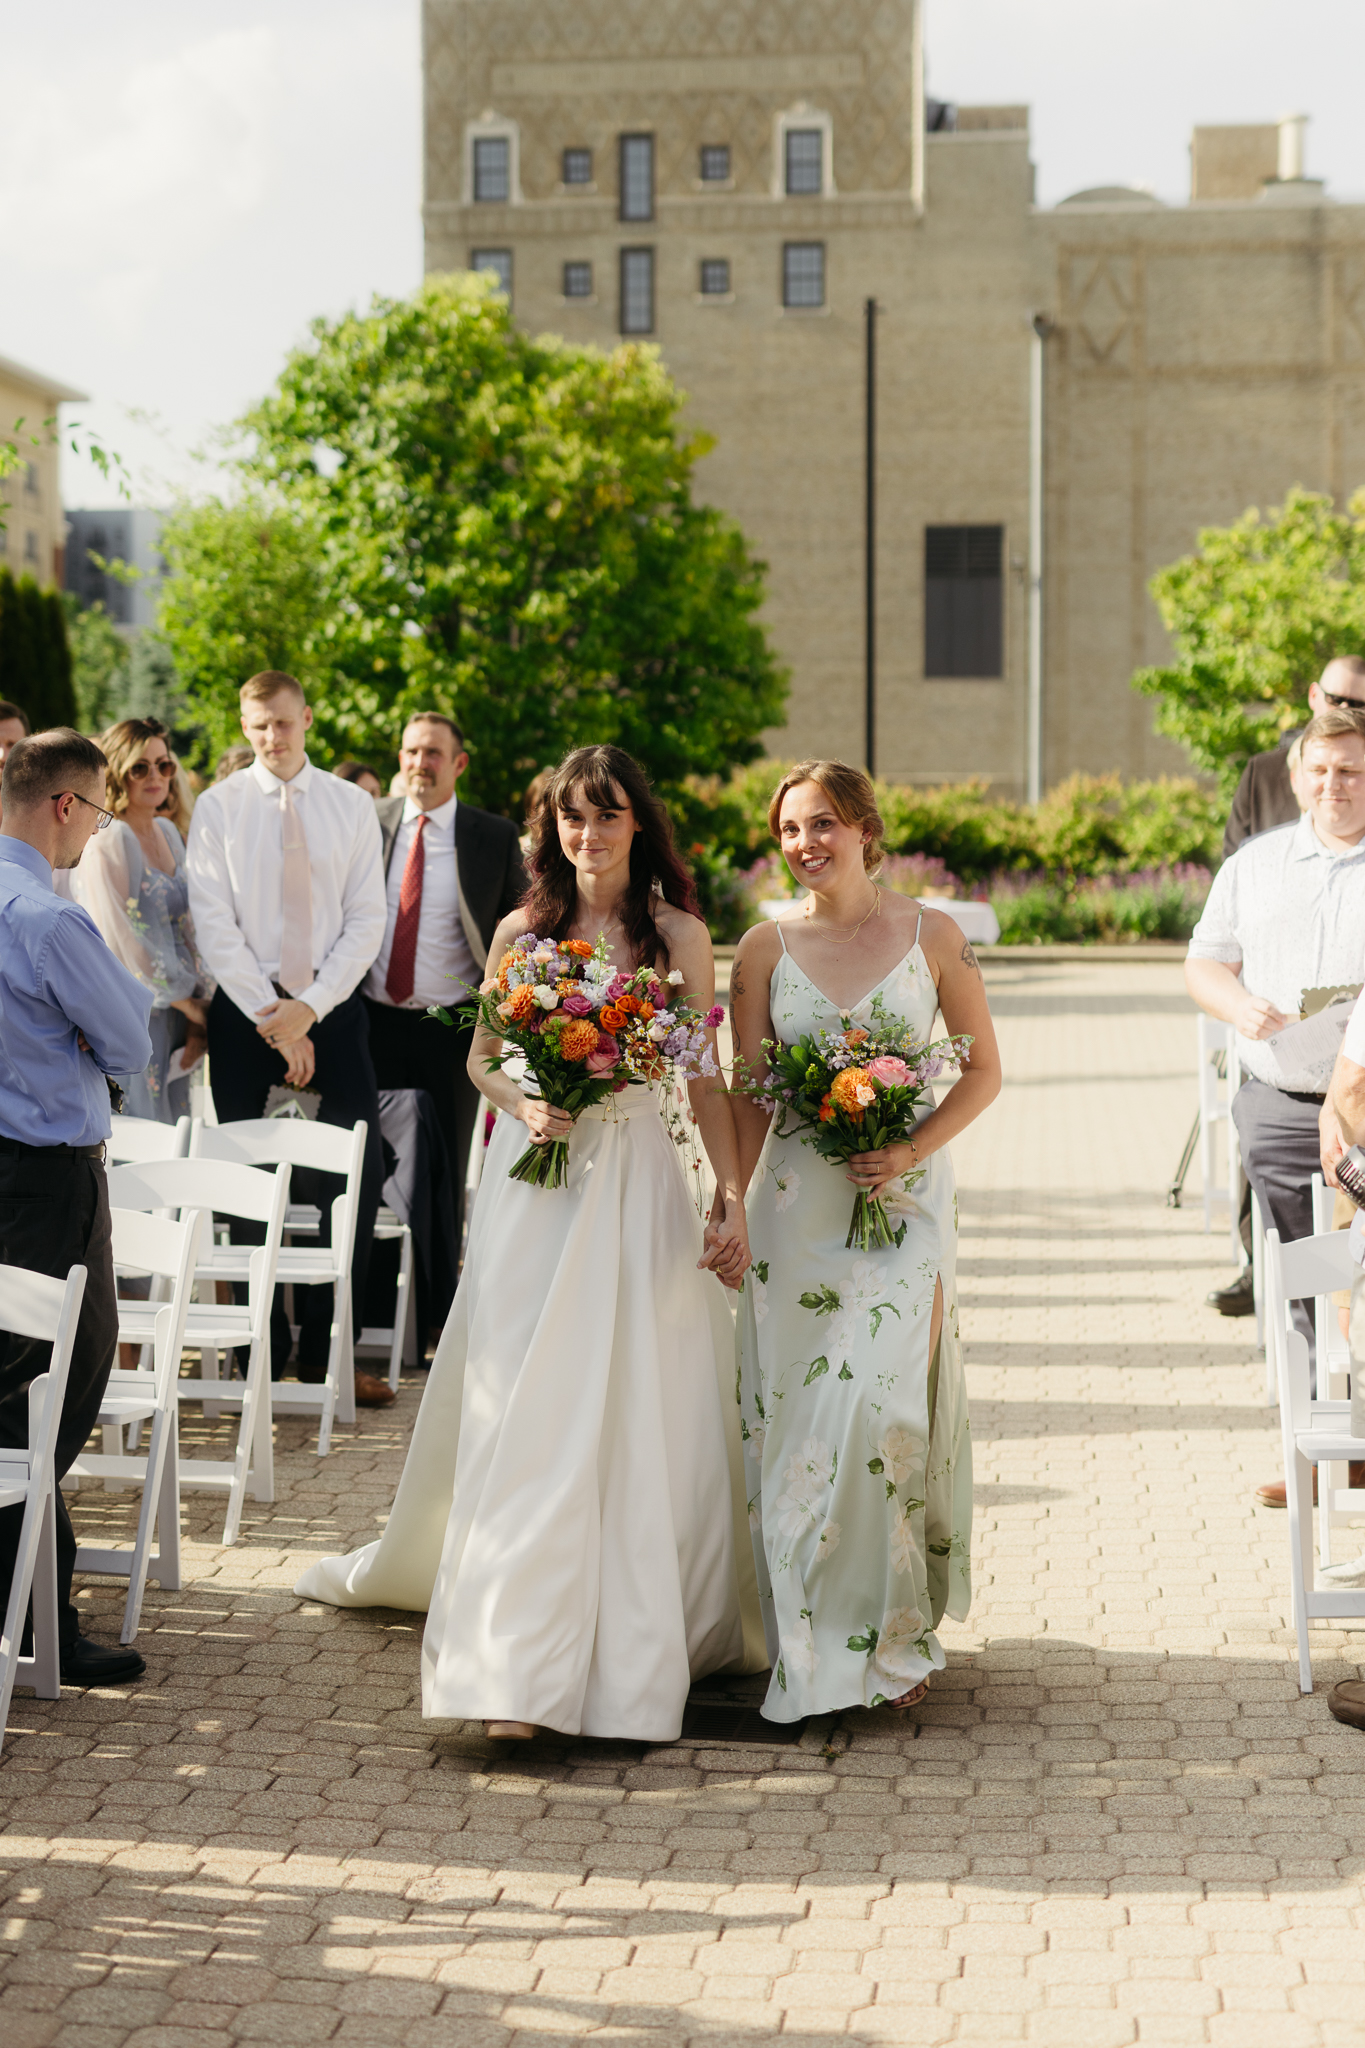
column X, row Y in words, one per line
column 1273, row 1496
column 1346, row 1702
column 376, row 1393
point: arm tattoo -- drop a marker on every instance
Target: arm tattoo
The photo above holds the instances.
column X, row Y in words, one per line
column 736, row 981
column 968, row 957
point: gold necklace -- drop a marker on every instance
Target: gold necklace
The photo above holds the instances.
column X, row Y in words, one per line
column 874, row 912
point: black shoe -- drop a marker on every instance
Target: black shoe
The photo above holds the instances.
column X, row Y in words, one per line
column 1237, row 1300
column 87, row 1663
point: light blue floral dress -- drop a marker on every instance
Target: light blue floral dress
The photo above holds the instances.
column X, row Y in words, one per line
column 860, row 1505
column 144, row 918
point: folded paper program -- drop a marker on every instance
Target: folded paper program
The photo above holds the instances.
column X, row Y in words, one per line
column 1304, row 1054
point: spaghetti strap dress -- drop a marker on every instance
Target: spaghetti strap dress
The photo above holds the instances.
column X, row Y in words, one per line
column 857, row 1442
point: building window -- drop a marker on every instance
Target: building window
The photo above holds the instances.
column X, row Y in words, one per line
column 498, row 262
column 963, row 601
column 715, row 162
column 492, row 168
column 577, row 167
column 30, row 546
column 715, row 275
column 31, row 479
column 803, row 273
column 637, row 177
column 805, row 165
column 637, row 291
column 578, row 280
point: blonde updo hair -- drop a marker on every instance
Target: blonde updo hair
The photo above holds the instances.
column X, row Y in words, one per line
column 851, row 797
column 121, row 745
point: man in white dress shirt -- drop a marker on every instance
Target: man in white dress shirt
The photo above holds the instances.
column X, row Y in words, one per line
column 286, row 886
column 453, row 873
column 1285, row 914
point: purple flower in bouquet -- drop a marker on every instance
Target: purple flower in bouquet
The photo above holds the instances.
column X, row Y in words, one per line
column 617, row 987
column 576, row 1006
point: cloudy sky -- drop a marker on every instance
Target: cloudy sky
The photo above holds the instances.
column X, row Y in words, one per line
column 183, row 186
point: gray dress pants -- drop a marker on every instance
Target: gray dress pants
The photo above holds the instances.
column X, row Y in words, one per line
column 1278, row 1134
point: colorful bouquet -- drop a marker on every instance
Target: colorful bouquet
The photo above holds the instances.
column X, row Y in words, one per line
column 586, row 1031
column 854, row 1090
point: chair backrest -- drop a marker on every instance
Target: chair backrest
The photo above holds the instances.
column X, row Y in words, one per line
column 1299, row 1271
column 218, row 1184
column 137, row 1138
column 267, row 1140
column 151, row 1244
column 36, row 1305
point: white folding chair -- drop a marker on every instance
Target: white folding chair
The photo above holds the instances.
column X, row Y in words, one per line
column 1315, row 1432
column 226, row 1188
column 35, row 1305
column 1217, row 1068
column 327, row 1148
column 165, row 1251
column 137, row 1139
column 1335, row 1494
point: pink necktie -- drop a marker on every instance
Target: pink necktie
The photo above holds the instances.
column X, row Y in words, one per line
column 296, row 926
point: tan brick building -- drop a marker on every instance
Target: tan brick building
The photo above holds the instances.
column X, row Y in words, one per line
column 33, row 536
column 735, row 179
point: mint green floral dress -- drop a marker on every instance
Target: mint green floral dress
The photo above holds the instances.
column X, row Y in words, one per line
column 858, row 1459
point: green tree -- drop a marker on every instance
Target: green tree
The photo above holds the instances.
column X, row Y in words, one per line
column 439, row 510
column 35, row 660
column 1256, row 614
column 99, row 663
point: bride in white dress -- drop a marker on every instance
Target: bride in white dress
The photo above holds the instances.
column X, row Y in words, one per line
column 571, row 1514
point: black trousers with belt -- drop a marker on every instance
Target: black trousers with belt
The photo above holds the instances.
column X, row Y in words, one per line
column 243, row 1069
column 412, row 1050
column 54, row 1214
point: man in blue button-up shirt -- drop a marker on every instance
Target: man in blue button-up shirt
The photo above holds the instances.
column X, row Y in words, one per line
column 69, row 1015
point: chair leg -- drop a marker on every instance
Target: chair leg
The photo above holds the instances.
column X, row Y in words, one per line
column 47, row 1674
column 331, row 1383
column 345, row 1408
column 254, row 1442
column 400, row 1310
column 208, row 1370
column 111, row 1436
column 1298, row 1500
column 169, row 1575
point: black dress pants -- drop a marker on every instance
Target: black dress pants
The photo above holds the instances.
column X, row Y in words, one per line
column 54, row 1214
column 412, row 1050
column 243, row 1070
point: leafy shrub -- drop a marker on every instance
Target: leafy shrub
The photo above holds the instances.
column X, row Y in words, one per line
column 1161, row 903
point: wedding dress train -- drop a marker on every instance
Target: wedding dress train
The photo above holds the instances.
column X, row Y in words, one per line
column 571, row 1514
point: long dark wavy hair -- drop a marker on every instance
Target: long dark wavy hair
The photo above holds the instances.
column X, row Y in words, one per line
column 604, row 775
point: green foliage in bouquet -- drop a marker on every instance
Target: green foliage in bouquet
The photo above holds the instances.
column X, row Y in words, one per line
column 856, row 1090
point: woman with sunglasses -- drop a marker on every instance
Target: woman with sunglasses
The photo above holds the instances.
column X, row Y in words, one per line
column 131, row 879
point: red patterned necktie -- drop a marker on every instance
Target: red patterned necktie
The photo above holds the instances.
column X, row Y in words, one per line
column 403, row 957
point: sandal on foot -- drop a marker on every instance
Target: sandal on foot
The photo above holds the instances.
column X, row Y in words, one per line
column 510, row 1731
column 909, row 1699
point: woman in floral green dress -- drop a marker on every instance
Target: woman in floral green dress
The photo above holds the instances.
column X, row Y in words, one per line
column 852, row 1396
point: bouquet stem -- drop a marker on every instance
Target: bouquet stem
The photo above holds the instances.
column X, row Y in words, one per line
column 870, row 1228
column 543, row 1166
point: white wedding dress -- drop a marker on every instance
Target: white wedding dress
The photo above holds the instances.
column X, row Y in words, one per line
column 571, row 1514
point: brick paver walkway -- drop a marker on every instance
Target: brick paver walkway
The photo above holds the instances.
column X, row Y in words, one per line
column 1115, row 1821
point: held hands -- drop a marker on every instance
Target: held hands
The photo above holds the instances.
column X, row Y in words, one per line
column 726, row 1244
column 285, row 1022
column 870, row 1172
column 299, row 1061
column 543, row 1120
column 1257, row 1017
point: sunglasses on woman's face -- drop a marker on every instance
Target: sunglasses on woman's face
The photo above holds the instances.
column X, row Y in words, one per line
column 140, row 770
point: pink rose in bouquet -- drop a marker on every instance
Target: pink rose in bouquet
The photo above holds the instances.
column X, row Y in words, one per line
column 891, row 1072
column 576, row 1006
column 605, row 1059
